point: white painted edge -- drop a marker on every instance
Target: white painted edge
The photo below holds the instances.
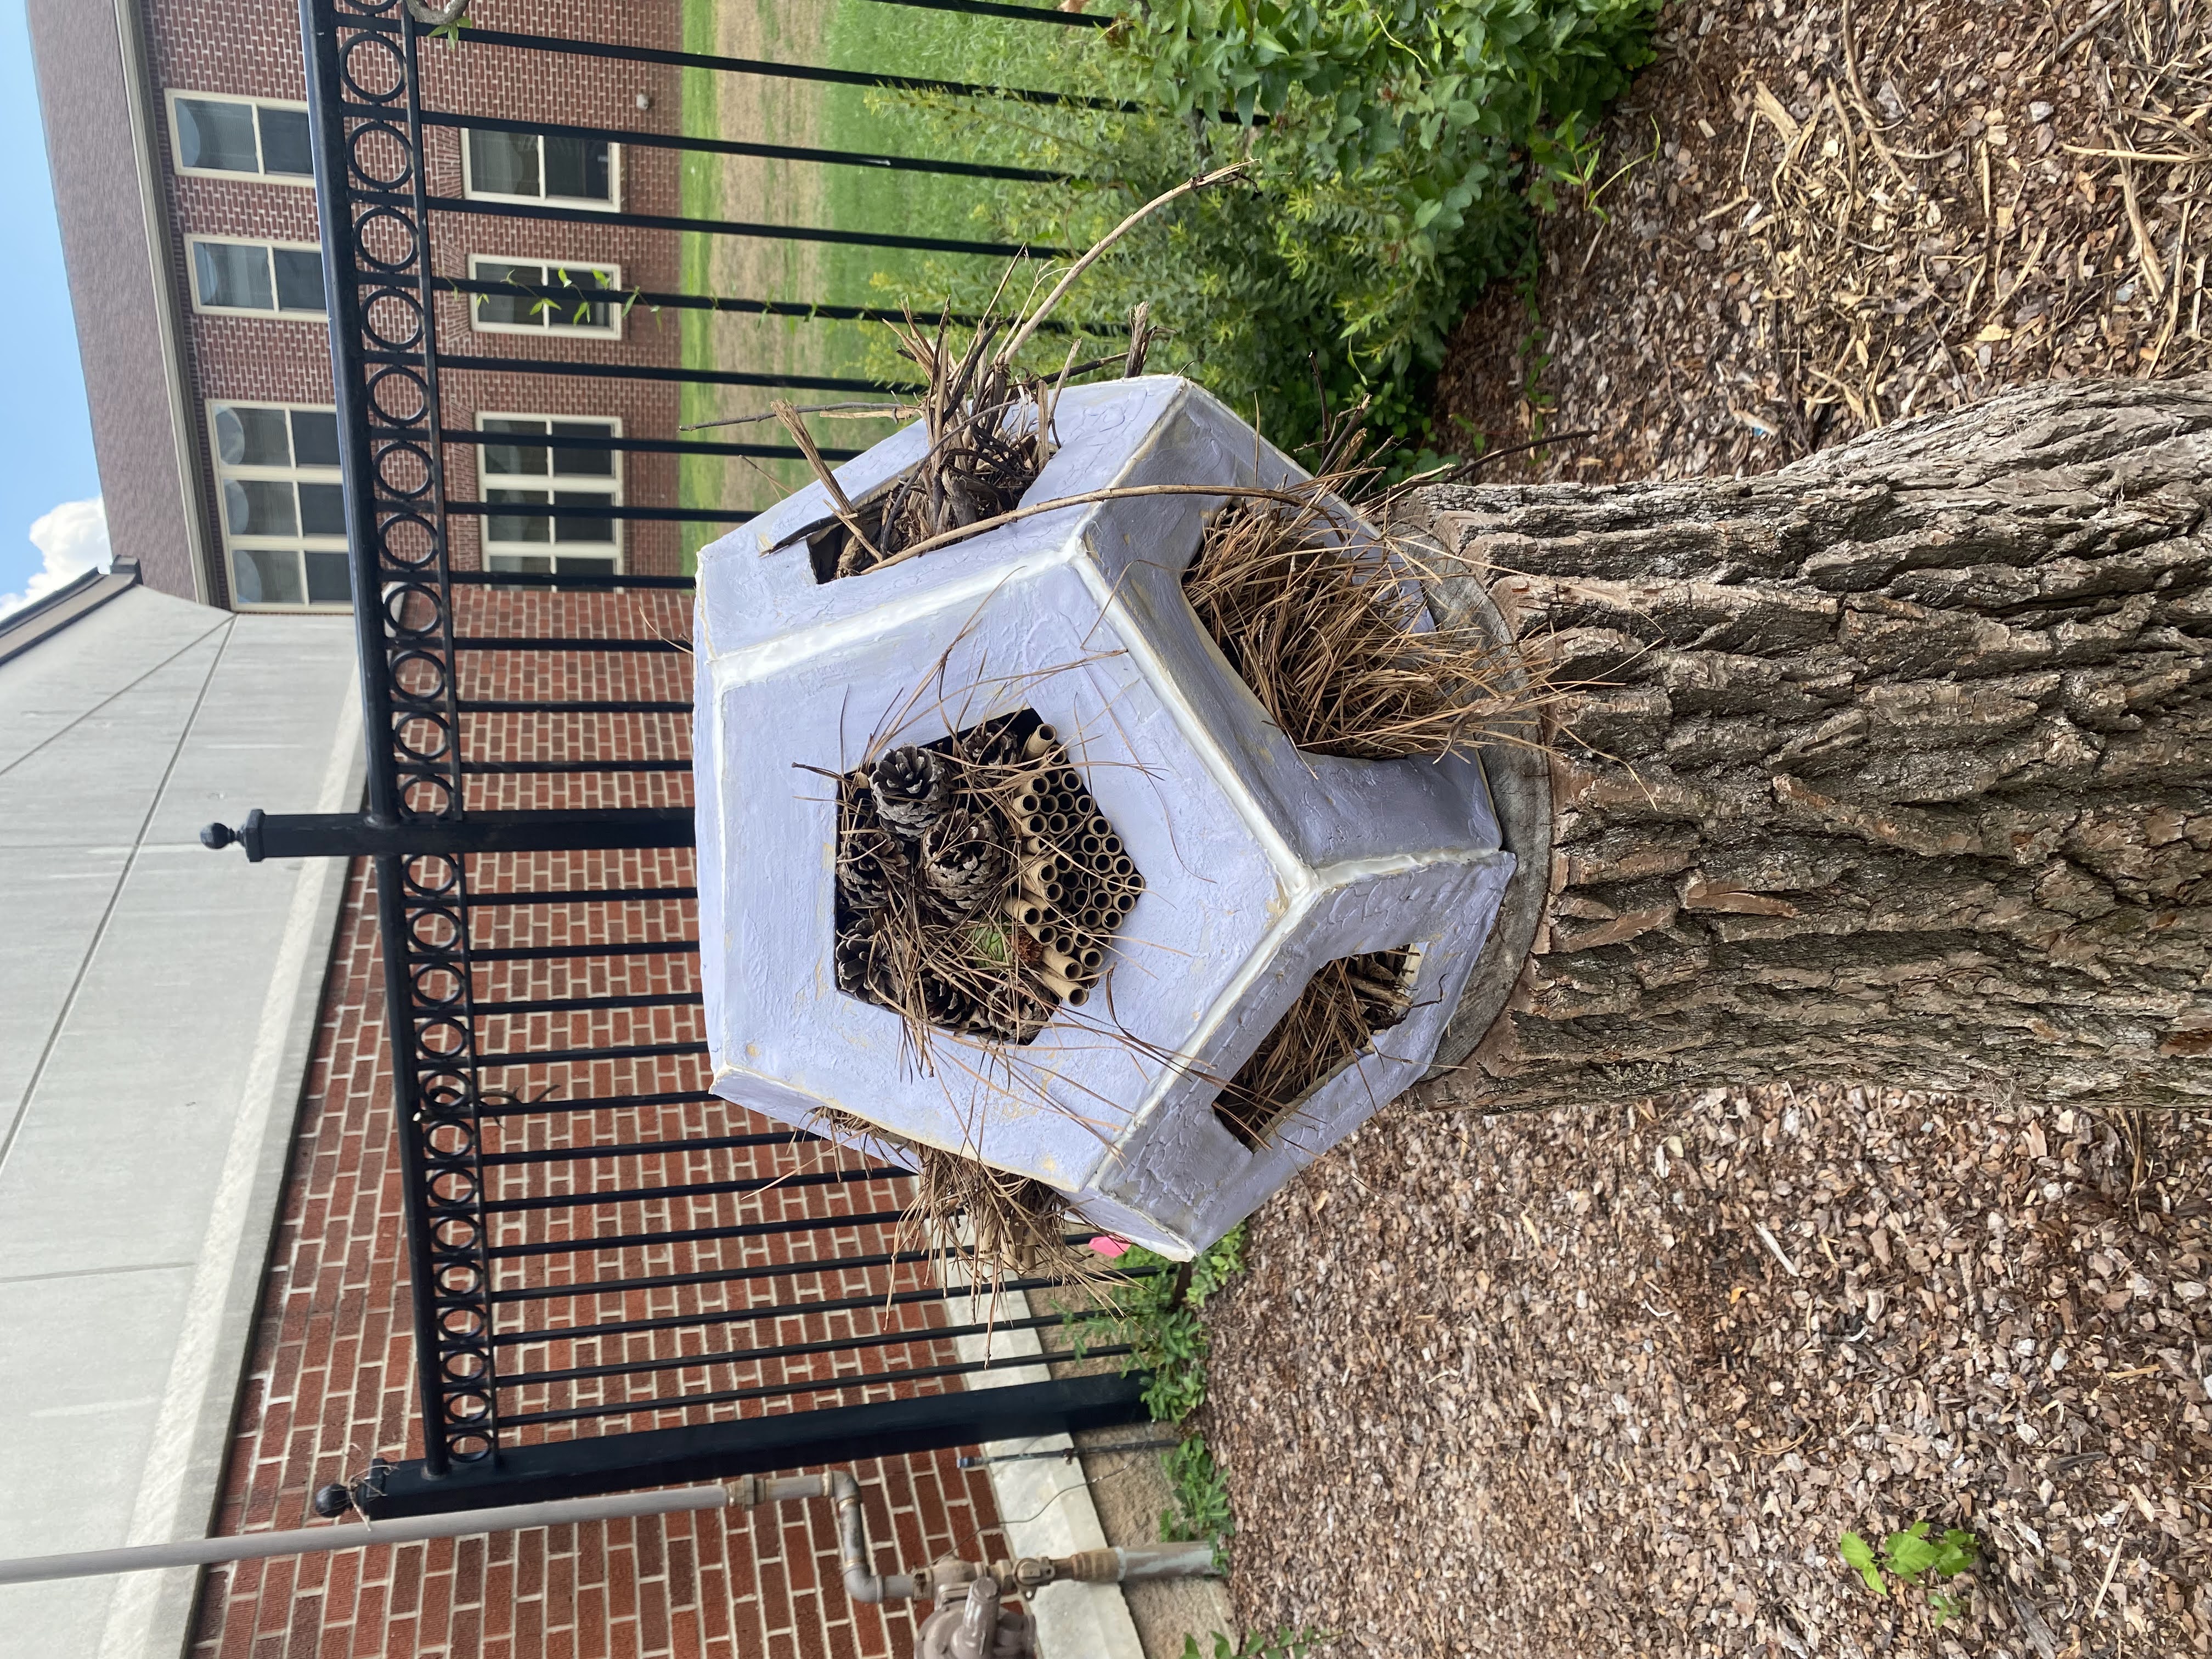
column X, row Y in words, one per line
column 150, row 1614
column 1044, row 1504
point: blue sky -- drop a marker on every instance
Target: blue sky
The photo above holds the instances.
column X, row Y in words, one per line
column 46, row 435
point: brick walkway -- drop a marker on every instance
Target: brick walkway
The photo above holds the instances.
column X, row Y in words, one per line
column 332, row 1380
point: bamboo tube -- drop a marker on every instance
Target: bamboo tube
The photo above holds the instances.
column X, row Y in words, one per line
column 1090, row 956
column 1025, row 912
column 1039, row 743
column 1067, row 990
column 1055, row 824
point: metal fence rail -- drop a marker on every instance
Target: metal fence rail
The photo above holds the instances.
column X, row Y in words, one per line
column 618, row 1279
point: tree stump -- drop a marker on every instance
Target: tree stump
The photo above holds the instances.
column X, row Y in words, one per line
column 1889, row 766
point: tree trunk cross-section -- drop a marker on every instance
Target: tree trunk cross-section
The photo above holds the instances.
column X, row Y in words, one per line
column 1890, row 766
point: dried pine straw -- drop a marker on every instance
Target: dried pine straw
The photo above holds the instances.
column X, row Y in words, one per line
column 1333, row 1021
column 991, row 1224
column 1329, row 628
column 989, row 424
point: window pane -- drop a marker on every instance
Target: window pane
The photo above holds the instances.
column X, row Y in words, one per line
column 512, row 309
column 247, row 436
column 322, row 509
column 505, row 527
column 572, row 312
column 503, row 163
column 235, row 275
column 327, row 583
column 582, row 528
column 572, row 566
column 218, row 136
column 536, row 563
column 584, row 463
column 259, row 507
column 578, row 167
column 515, row 461
column 299, row 279
column 314, row 437
column 284, row 147
column 266, row 576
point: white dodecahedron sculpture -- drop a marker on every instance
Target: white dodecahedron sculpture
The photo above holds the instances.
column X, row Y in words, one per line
column 1259, row 863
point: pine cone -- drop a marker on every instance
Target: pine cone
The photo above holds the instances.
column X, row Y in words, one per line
column 855, row 959
column 945, row 1005
column 963, row 860
column 912, row 788
column 992, row 743
column 872, row 865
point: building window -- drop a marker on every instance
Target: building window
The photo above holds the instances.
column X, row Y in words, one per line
column 284, row 508
column 265, row 278
column 240, row 135
column 568, row 472
column 551, row 307
column 537, row 167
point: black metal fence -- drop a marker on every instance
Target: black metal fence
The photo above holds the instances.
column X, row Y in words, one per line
column 618, row 1280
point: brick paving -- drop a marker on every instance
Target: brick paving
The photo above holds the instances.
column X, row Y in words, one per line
column 332, row 1380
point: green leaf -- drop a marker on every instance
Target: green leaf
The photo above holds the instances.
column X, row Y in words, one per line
column 1857, row 1553
column 1909, row 1553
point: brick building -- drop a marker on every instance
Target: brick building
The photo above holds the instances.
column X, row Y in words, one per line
column 178, row 138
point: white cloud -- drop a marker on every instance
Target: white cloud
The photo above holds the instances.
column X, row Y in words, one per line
column 72, row 539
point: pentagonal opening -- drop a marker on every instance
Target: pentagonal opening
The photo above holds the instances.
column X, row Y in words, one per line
column 1328, row 626
column 979, row 886
column 1332, row 1025
column 982, row 480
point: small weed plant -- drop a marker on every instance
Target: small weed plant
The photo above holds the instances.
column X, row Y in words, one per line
column 1916, row 1561
column 1157, row 1316
column 1201, row 1500
column 1283, row 1643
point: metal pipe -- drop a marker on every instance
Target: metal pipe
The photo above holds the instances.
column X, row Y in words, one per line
column 253, row 1547
column 862, row 1582
column 946, row 1581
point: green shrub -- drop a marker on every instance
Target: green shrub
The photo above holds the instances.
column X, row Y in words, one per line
column 1160, row 1324
column 1394, row 145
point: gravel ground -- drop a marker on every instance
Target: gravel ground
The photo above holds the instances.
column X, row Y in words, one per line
column 1594, row 1385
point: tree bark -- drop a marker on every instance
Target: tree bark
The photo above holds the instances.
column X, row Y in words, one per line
column 1891, row 765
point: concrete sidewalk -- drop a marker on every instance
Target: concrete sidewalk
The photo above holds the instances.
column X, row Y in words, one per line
column 157, row 1004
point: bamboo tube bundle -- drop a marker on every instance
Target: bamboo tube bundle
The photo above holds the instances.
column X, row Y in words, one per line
column 978, row 883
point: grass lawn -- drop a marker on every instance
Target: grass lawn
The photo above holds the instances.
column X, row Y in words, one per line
column 847, row 34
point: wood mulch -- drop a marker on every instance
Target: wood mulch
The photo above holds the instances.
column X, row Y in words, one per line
column 1580, row 1385
column 1576, row 1385
column 1814, row 219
